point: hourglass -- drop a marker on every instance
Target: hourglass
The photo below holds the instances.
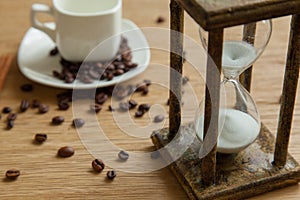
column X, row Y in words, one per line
column 239, row 120
column 238, row 32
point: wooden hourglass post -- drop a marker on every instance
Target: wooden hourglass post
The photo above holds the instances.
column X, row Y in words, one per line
column 288, row 94
column 249, row 37
column 177, row 14
column 212, row 101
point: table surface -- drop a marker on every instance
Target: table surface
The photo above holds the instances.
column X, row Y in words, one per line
column 43, row 175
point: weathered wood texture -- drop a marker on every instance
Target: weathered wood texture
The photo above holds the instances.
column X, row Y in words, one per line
column 217, row 14
column 238, row 176
column 177, row 23
column 212, row 102
column 289, row 93
column 249, row 37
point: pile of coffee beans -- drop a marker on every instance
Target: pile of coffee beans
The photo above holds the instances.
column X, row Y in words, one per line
column 88, row 72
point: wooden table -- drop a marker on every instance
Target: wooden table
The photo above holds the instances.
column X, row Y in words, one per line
column 44, row 176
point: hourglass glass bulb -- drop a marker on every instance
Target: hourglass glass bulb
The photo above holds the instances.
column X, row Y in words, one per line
column 239, row 120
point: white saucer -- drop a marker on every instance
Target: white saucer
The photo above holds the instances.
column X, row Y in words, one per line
column 36, row 64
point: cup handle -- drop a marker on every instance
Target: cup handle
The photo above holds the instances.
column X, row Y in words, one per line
column 42, row 8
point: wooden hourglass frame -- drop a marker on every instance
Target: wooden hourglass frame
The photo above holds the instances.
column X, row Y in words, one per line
column 263, row 166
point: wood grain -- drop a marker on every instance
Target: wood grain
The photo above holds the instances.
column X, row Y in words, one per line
column 5, row 63
column 44, row 176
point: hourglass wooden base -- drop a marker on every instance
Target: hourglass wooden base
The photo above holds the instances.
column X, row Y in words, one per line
column 246, row 174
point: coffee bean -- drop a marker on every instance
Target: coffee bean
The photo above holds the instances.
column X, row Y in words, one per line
column 110, row 76
column 11, row 116
column 124, row 106
column 78, row 123
column 24, row 105
column 155, row 154
column 27, row 87
column 123, row 155
column 58, row 120
column 111, row 174
column 160, row 19
column 144, row 107
column 145, row 91
column 54, row 51
column 110, row 108
column 35, row 103
column 9, row 124
column 12, row 174
column 120, row 92
column 98, row 165
column 119, row 72
column 96, row 108
column 141, row 87
column 139, row 114
column 101, row 98
column 40, row 137
column 147, row 82
column 66, row 151
column 132, row 104
column 185, row 80
column 158, row 118
column 6, row 110
column 63, row 106
column 43, row 108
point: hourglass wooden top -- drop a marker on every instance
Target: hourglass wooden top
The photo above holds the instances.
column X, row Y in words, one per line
column 211, row 14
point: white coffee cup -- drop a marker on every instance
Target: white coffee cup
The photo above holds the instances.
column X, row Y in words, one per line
column 81, row 25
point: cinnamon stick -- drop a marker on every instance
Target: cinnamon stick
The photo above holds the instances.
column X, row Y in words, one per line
column 5, row 63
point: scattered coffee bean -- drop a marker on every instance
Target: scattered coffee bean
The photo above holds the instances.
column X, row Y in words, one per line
column 185, row 80
column 27, row 87
column 155, row 154
column 132, row 104
column 40, row 137
column 43, row 108
column 160, row 19
column 96, row 108
column 145, row 91
column 98, row 165
column 65, row 152
column 120, row 92
column 58, row 120
column 101, row 98
column 78, row 123
column 6, row 110
column 111, row 174
column 141, row 87
column 123, row 155
column 11, row 116
column 9, row 124
column 147, row 82
column 54, row 52
column 63, row 106
column 158, row 118
column 35, row 103
column 139, row 114
column 124, row 106
column 144, row 107
column 111, row 109
column 24, row 105
column 12, row 173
